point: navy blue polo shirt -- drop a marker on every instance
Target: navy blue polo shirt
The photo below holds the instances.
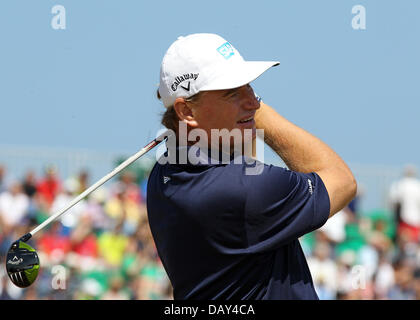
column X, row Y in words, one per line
column 223, row 233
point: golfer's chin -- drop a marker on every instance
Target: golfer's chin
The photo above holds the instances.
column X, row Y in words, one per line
column 248, row 130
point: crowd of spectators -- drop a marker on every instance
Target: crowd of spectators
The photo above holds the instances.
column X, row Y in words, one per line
column 371, row 255
column 103, row 249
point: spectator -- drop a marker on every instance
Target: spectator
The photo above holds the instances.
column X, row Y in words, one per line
column 49, row 186
column 384, row 278
column 83, row 241
column 403, row 289
column 134, row 259
column 83, row 180
column 68, row 193
column 14, row 206
column 29, row 184
column 112, row 245
column 127, row 183
column 345, row 262
column 324, row 271
column 116, row 290
column 95, row 209
column 54, row 244
column 405, row 200
column 122, row 206
column 153, row 280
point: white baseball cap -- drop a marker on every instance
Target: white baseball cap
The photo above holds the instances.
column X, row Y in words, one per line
column 203, row 62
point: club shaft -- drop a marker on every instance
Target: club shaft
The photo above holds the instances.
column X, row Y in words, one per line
column 95, row 186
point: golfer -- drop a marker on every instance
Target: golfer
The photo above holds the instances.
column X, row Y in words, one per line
column 221, row 232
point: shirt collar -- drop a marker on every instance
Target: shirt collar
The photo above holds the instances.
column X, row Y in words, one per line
column 196, row 156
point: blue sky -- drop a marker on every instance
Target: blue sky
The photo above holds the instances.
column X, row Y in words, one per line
column 93, row 84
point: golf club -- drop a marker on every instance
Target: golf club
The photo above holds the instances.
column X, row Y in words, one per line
column 22, row 262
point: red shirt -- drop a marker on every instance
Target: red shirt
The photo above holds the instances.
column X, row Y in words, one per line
column 87, row 247
column 50, row 242
column 48, row 189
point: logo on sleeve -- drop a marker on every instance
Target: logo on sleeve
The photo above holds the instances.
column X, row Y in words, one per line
column 166, row 179
column 311, row 189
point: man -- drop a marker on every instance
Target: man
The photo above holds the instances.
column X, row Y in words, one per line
column 222, row 233
column 405, row 200
column 14, row 205
column 49, row 187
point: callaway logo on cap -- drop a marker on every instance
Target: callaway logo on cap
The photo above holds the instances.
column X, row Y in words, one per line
column 202, row 62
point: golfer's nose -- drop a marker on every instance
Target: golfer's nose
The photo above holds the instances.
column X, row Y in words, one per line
column 250, row 102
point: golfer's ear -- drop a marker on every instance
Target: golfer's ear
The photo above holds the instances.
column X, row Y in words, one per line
column 185, row 112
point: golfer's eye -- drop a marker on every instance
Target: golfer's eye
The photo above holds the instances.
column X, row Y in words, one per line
column 233, row 94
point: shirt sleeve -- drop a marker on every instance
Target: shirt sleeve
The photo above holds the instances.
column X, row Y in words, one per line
column 282, row 205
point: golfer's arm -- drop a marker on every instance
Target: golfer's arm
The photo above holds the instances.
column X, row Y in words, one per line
column 303, row 152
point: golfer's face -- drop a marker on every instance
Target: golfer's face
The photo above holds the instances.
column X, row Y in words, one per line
column 227, row 109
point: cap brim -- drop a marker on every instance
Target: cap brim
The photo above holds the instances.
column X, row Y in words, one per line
column 239, row 74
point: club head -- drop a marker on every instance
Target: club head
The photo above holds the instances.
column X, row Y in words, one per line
column 22, row 264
